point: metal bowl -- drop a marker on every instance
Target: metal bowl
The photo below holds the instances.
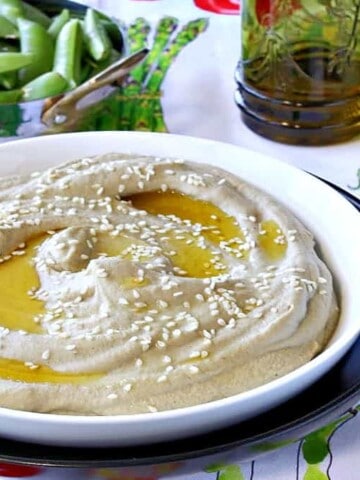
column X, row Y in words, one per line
column 26, row 119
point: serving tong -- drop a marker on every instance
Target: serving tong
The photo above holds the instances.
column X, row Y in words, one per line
column 66, row 109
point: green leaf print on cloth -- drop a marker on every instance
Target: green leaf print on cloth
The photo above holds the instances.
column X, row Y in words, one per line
column 314, row 473
column 356, row 187
column 11, row 117
column 226, row 472
column 313, row 461
column 137, row 104
column 316, row 448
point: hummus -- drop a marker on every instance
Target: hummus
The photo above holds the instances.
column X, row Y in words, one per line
column 136, row 284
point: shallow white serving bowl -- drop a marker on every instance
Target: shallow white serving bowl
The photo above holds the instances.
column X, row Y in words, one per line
column 334, row 222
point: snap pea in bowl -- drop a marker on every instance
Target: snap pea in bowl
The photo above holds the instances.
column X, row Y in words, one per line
column 22, row 109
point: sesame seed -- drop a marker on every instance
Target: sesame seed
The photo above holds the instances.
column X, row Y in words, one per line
column 193, row 369
column 18, row 253
column 195, row 354
column 45, row 355
column 70, row 347
column 112, row 396
column 206, row 334
column 123, row 301
column 140, row 305
column 163, row 304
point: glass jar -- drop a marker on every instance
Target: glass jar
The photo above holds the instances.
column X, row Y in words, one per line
column 299, row 71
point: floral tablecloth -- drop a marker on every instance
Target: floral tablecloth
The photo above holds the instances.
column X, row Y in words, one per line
column 187, row 86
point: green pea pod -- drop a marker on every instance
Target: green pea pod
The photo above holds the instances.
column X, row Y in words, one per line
column 58, row 22
column 47, row 85
column 8, row 80
column 14, row 61
column 86, row 72
column 114, row 55
column 12, row 96
column 96, row 39
column 11, row 9
column 114, row 33
column 7, row 29
column 35, row 15
column 68, row 52
column 36, row 40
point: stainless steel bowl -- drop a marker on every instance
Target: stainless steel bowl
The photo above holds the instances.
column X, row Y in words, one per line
column 27, row 119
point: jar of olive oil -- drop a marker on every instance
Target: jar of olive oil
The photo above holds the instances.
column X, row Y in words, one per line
column 299, row 70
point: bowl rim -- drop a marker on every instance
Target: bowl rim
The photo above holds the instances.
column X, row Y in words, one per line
column 347, row 338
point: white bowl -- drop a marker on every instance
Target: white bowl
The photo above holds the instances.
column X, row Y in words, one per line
column 333, row 221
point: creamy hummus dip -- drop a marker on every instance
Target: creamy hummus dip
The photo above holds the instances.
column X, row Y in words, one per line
column 134, row 284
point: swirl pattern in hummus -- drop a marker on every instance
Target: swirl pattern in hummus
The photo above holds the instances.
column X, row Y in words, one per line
column 146, row 311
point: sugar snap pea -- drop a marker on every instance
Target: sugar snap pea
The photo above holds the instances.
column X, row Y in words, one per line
column 99, row 66
column 68, row 52
column 47, row 85
column 36, row 40
column 11, row 9
column 35, row 15
column 52, row 57
column 96, row 38
column 10, row 96
column 114, row 33
column 7, row 29
column 58, row 22
column 14, row 61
